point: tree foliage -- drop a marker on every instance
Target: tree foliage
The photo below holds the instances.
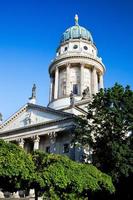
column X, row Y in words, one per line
column 62, row 178
column 16, row 167
column 55, row 176
column 109, row 128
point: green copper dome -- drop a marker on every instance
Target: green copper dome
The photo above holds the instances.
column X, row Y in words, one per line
column 76, row 32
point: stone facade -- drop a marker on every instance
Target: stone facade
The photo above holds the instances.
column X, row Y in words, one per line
column 77, row 70
column 76, row 74
column 75, row 67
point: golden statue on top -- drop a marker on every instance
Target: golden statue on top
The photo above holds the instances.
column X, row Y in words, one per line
column 76, row 20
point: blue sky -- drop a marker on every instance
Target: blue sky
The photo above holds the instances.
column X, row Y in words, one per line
column 30, row 31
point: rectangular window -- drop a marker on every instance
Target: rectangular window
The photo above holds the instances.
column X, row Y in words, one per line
column 75, row 88
column 48, row 149
column 66, row 148
column 64, row 88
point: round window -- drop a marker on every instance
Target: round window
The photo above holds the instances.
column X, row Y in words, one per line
column 85, row 47
column 75, row 46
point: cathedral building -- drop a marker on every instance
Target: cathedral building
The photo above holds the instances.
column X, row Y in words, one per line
column 76, row 73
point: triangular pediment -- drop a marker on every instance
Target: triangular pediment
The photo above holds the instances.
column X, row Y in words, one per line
column 31, row 114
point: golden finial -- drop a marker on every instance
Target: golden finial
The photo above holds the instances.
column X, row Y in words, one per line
column 76, row 19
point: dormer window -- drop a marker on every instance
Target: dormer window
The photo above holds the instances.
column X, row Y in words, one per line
column 85, row 47
column 75, row 46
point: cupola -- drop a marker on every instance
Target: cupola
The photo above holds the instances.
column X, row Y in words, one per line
column 76, row 32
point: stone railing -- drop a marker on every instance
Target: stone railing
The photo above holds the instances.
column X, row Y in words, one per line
column 17, row 195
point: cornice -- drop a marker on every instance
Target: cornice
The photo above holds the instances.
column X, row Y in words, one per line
column 14, row 116
column 66, row 57
column 38, row 126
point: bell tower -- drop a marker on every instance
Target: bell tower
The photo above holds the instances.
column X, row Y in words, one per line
column 77, row 69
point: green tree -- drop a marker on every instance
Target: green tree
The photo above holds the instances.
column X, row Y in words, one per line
column 16, row 167
column 108, row 130
column 62, row 178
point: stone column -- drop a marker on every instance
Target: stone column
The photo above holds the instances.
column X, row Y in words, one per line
column 101, row 85
column 56, row 83
column 68, row 79
column 94, row 81
column 36, row 142
column 52, row 137
column 51, row 89
column 81, row 78
column 21, row 142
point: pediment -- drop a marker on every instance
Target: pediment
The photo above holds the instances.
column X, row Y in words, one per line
column 31, row 114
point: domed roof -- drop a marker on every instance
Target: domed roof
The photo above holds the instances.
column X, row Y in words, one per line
column 76, row 32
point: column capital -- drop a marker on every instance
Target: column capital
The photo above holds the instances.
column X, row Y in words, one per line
column 82, row 64
column 93, row 67
column 100, row 73
column 36, row 138
column 52, row 135
column 20, row 142
column 68, row 64
column 56, row 68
